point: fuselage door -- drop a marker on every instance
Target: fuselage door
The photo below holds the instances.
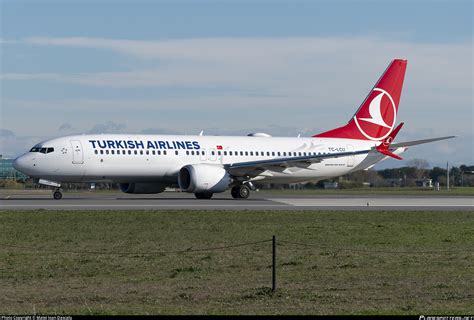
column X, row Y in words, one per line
column 350, row 159
column 77, row 154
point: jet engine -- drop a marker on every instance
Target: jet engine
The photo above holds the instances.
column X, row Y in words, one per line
column 199, row 178
column 142, row 188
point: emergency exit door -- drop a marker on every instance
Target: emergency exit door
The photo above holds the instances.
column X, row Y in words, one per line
column 77, row 153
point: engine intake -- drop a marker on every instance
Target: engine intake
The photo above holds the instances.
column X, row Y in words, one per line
column 198, row 178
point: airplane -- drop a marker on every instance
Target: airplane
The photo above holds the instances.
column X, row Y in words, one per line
column 204, row 165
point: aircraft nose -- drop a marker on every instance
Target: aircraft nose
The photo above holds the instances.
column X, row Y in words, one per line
column 19, row 163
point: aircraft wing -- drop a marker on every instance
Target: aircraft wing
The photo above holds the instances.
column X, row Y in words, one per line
column 254, row 168
column 416, row 142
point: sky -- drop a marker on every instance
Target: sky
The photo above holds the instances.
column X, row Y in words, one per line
column 233, row 67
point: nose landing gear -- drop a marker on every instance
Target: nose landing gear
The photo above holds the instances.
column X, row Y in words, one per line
column 57, row 194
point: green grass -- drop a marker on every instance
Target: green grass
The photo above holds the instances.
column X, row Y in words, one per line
column 351, row 267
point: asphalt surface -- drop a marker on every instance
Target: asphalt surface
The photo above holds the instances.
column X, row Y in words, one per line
column 257, row 201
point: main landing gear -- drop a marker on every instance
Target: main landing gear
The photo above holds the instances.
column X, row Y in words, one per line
column 240, row 192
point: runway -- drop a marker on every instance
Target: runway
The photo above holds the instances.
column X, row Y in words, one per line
column 257, row 201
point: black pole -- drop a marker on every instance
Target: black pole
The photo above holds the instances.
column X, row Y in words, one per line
column 273, row 264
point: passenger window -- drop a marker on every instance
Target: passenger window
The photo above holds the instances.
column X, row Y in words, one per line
column 256, row 153
column 273, row 153
column 96, row 151
column 203, row 153
column 268, row 153
column 213, row 153
column 158, row 152
column 284, row 154
column 251, row 153
column 241, row 153
column 164, row 152
column 107, row 151
column 278, row 153
column 135, row 152
column 147, row 152
column 141, row 151
column 101, row 151
column 153, row 152
column 176, row 152
column 187, row 152
column 219, row 153
column 225, row 153
column 112, row 152
column 192, row 153
column 129, row 151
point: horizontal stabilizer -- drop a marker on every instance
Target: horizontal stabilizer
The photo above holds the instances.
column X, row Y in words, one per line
column 417, row 142
column 383, row 148
column 390, row 154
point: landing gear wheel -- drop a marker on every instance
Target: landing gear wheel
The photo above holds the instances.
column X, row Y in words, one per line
column 203, row 195
column 57, row 195
column 240, row 192
column 235, row 192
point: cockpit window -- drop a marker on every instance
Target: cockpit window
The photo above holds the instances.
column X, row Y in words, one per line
column 42, row 150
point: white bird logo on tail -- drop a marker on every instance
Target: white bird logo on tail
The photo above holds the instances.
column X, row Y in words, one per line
column 377, row 118
column 376, row 112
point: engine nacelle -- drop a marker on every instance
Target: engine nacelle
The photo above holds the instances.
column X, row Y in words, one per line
column 198, row 178
column 142, row 188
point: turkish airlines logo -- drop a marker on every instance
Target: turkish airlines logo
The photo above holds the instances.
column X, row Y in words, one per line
column 377, row 121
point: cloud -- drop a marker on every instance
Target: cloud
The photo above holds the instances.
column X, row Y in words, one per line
column 159, row 131
column 294, row 72
column 12, row 145
column 108, row 127
column 6, row 134
column 65, row 127
column 306, row 62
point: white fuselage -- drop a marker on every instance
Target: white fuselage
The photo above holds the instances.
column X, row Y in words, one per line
column 158, row 158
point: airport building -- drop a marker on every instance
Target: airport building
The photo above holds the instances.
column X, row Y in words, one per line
column 8, row 172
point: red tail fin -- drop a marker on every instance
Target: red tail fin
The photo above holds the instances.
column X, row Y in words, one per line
column 376, row 117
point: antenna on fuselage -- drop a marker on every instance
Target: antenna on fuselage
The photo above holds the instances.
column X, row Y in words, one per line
column 201, row 133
